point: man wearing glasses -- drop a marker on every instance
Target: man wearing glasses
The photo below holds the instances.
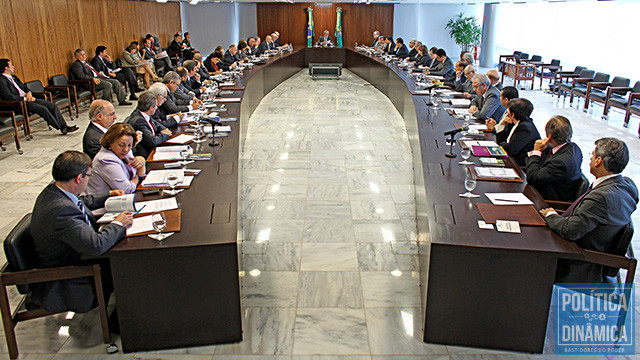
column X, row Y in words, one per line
column 153, row 132
column 489, row 99
column 64, row 230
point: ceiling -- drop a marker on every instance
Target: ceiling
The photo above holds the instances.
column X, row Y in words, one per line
column 461, row 2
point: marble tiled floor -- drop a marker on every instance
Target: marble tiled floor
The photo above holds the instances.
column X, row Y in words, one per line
column 329, row 260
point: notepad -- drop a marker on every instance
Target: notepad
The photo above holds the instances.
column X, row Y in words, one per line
column 509, row 199
column 229, row 99
column 181, row 139
column 496, row 173
column 460, row 102
column 496, row 151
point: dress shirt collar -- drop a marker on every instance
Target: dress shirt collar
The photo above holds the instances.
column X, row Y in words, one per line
column 513, row 129
column 146, row 116
column 599, row 180
column 555, row 149
column 102, row 128
column 8, row 76
column 71, row 196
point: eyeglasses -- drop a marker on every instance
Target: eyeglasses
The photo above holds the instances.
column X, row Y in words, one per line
column 86, row 175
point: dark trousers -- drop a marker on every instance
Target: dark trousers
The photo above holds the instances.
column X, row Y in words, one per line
column 127, row 78
column 49, row 112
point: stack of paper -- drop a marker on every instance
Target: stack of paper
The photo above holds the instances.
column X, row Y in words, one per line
column 509, row 199
column 181, row 139
column 229, row 99
column 470, row 143
column 159, row 177
column 460, row 102
column 496, row 173
column 168, row 153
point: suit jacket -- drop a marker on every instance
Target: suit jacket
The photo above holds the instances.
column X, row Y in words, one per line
column 264, row 46
column 402, row 52
column 490, row 106
column 167, row 121
column 8, row 92
column 228, row 58
column 444, row 68
column 149, row 140
column 522, row 140
column 61, row 237
column 191, row 84
column 413, row 54
column 375, row 41
column 204, row 74
column 79, row 71
column 499, row 86
column 424, row 60
column 277, row 43
column 175, row 46
column 322, row 39
column 101, row 65
column 171, row 106
column 559, row 176
column 91, row 140
column 182, row 93
column 592, row 225
column 148, row 53
column 110, row 173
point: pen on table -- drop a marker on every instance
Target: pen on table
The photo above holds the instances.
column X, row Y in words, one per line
column 137, row 212
column 507, row 200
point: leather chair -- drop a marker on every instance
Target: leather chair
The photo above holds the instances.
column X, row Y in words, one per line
column 57, row 98
column 581, row 87
column 565, row 77
column 19, row 108
column 552, row 68
column 633, row 108
column 503, row 58
column 597, row 91
column 618, row 97
column 21, row 270
column 535, row 59
column 60, row 83
column 585, row 75
column 8, row 128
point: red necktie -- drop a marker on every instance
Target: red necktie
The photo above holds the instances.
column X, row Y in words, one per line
column 95, row 73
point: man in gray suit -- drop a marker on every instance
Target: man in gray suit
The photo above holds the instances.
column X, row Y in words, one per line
column 82, row 70
column 490, row 106
column 64, row 230
column 444, row 67
column 593, row 220
column 153, row 132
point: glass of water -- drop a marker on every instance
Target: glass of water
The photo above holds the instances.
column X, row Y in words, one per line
column 184, row 154
column 469, row 184
column 159, row 222
column 172, row 180
column 466, row 154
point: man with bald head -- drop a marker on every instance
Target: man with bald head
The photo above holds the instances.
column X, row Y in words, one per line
column 266, row 44
column 102, row 115
column 494, row 77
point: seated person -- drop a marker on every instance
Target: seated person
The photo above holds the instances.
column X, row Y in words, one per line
column 168, row 119
column 389, row 45
column 381, row 43
column 593, row 220
column 115, row 167
column 178, row 46
column 81, row 70
column 434, row 58
column 444, row 66
column 523, row 134
column 187, row 41
column 103, row 64
column 376, row 37
column 102, row 115
column 494, row 77
column 173, row 104
column 553, row 166
column 459, row 80
column 214, row 63
column 490, row 106
column 192, row 82
column 276, row 39
column 400, row 49
column 413, row 53
column 12, row 89
column 153, row 132
column 149, row 53
column 265, row 45
column 183, row 92
column 229, row 57
column 422, row 59
column 325, row 39
column 132, row 59
column 64, row 231
column 507, row 94
column 255, row 49
column 467, row 86
column 242, row 54
column 200, row 69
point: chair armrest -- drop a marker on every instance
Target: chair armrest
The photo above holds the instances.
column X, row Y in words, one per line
column 45, row 274
column 633, row 96
column 45, row 95
column 12, row 104
column 80, row 82
column 550, row 67
column 13, row 117
column 558, row 205
column 598, row 84
column 614, row 261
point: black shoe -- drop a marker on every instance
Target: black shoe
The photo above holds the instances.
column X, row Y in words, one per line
column 71, row 129
column 124, row 103
column 133, row 97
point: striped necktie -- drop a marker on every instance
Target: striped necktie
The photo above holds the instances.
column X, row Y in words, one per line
column 81, row 206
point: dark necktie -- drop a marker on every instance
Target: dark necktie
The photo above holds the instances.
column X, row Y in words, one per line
column 569, row 210
column 81, row 206
column 95, row 73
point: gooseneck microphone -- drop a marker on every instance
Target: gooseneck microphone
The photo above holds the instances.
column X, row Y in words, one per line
column 455, row 131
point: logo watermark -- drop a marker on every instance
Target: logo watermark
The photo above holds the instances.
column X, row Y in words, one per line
column 595, row 319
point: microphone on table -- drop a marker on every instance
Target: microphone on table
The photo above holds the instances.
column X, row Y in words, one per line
column 213, row 121
column 455, row 131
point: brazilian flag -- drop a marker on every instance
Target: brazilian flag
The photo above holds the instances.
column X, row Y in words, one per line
column 338, row 32
column 310, row 32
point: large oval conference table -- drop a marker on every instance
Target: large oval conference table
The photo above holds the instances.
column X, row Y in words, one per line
column 479, row 288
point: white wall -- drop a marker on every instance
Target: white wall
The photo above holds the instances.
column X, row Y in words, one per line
column 426, row 22
column 247, row 20
column 210, row 25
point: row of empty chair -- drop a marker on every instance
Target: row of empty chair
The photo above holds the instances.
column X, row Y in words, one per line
column 534, row 66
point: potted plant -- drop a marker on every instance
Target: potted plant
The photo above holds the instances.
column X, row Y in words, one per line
column 464, row 31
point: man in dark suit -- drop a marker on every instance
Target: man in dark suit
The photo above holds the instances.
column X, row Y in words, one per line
column 149, row 53
column 173, row 105
column 494, row 77
column 593, row 220
column 183, row 92
column 444, row 66
column 64, row 231
column 553, row 166
column 376, row 37
column 229, row 57
column 325, row 39
column 265, row 45
column 102, row 115
column 192, row 82
column 434, row 58
column 400, row 49
column 169, row 120
column 201, row 69
column 103, row 64
column 153, row 132
column 81, row 70
column 12, row 89
column 276, row 39
column 389, row 45
column 490, row 106
column 413, row 53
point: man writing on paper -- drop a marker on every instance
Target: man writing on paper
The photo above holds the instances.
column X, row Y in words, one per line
column 64, row 230
column 490, row 106
column 593, row 220
column 553, row 166
column 153, row 132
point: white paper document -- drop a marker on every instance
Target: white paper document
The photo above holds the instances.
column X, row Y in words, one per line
column 508, row 226
column 509, row 199
column 496, row 173
column 459, row 111
column 470, row 143
column 421, row 92
column 174, row 148
column 159, row 177
column 223, row 128
column 157, row 205
column 460, row 102
column 181, row 139
column 477, row 127
column 445, row 92
column 229, row 99
column 140, row 225
column 227, row 83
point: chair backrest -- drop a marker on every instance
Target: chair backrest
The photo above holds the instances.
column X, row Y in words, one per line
column 578, row 69
column 619, row 81
column 587, row 74
column 34, row 86
column 524, row 56
column 581, row 186
column 59, row 80
column 636, row 87
column 601, row 77
column 619, row 246
column 555, row 62
column 536, row 58
column 20, row 249
column 517, row 53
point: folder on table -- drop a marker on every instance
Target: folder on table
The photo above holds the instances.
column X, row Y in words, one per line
column 524, row 214
column 496, row 151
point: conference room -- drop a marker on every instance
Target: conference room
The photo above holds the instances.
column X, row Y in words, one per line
column 297, row 180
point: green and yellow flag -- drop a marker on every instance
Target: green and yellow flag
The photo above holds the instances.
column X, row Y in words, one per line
column 338, row 32
column 310, row 32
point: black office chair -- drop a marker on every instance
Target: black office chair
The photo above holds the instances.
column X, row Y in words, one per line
column 573, row 81
column 61, row 83
column 598, row 91
column 581, row 87
column 619, row 98
column 565, row 77
column 62, row 99
column 8, row 128
column 535, row 58
column 21, row 270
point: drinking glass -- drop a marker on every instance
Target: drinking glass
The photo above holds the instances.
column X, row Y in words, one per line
column 159, row 222
column 172, row 180
column 469, row 184
column 184, row 154
column 199, row 130
column 466, row 154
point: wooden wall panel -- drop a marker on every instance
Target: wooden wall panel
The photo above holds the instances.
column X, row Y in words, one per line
column 358, row 21
column 41, row 35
